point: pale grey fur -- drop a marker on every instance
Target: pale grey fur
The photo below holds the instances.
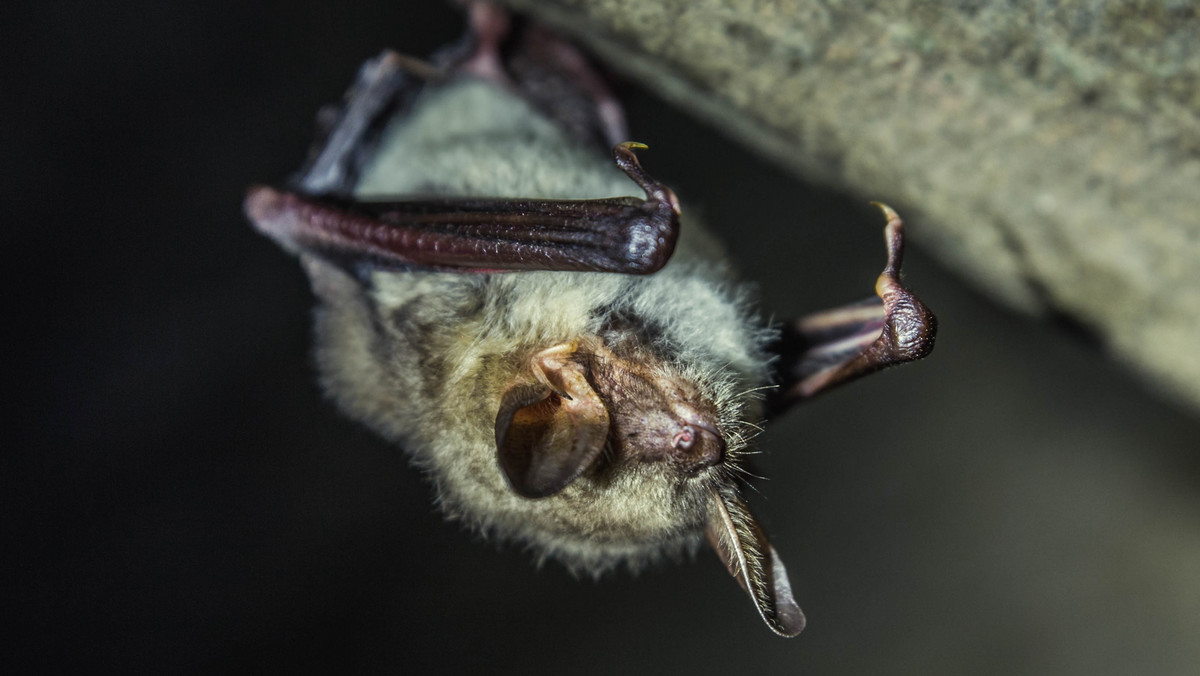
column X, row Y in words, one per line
column 424, row 357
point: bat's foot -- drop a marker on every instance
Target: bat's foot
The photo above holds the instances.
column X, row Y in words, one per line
column 834, row 347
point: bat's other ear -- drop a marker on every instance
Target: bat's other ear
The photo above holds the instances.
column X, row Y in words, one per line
column 551, row 431
column 740, row 542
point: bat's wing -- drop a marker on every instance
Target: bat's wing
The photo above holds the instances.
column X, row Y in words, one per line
column 318, row 215
column 821, row 351
column 626, row 235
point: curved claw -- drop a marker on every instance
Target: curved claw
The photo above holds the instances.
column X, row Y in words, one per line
column 893, row 232
column 656, row 192
column 910, row 326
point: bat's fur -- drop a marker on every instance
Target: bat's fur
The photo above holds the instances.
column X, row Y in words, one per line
column 424, row 357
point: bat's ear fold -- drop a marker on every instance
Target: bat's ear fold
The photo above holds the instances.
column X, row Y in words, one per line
column 551, row 431
column 740, row 542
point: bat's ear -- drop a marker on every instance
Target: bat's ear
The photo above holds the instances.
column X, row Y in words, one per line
column 740, row 542
column 551, row 431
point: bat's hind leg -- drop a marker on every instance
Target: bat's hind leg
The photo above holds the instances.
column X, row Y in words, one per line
column 823, row 350
column 544, row 68
column 557, row 78
column 488, row 26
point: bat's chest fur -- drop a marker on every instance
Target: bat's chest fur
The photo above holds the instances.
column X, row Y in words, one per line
column 425, row 358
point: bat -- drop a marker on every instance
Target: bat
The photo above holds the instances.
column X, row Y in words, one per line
column 506, row 293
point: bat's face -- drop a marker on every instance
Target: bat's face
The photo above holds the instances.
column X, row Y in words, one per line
column 589, row 399
column 613, row 452
column 661, row 416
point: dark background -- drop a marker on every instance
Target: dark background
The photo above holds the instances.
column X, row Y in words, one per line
column 183, row 499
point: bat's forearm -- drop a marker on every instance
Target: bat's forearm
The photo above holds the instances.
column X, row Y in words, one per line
column 625, row 235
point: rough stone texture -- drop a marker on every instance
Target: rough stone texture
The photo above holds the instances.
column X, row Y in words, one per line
column 1049, row 151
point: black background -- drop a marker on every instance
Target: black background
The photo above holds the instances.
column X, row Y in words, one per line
column 183, row 499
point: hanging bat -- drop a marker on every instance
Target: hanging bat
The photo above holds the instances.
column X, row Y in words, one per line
column 532, row 319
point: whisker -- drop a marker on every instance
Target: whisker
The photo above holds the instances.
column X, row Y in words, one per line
column 755, row 389
column 759, row 429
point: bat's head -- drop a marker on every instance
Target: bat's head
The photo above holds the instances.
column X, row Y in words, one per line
column 617, row 446
column 583, row 413
column 584, row 400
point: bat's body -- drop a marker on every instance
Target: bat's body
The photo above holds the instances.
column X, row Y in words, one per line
column 462, row 230
column 425, row 357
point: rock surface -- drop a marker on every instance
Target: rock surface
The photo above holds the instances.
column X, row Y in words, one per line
column 1050, row 152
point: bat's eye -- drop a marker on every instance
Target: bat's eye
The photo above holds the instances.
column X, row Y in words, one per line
column 685, row 438
column 700, row 447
